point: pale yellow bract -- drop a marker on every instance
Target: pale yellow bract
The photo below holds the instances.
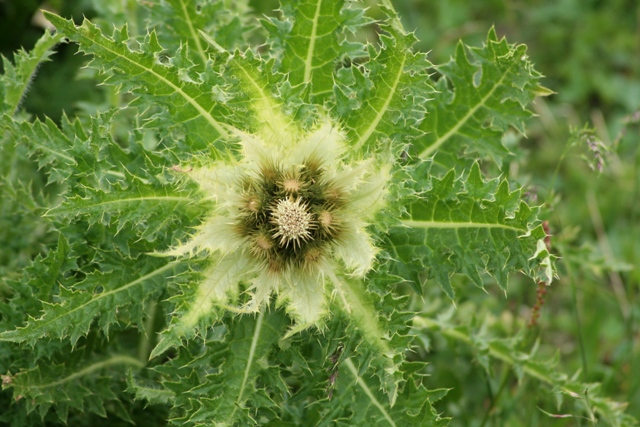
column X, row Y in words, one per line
column 290, row 219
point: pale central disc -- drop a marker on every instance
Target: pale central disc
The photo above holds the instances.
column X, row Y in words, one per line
column 293, row 220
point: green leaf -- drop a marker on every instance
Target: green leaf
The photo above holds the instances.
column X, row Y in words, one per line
column 358, row 396
column 231, row 394
column 110, row 183
column 469, row 226
column 313, row 38
column 187, row 86
column 148, row 391
column 52, row 147
column 76, row 384
column 101, row 295
column 15, row 81
column 481, row 94
column 390, row 92
column 150, row 74
column 135, row 207
column 585, row 397
column 37, row 284
column 197, row 23
column 378, row 321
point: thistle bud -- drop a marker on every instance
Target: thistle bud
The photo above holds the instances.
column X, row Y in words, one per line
column 291, row 212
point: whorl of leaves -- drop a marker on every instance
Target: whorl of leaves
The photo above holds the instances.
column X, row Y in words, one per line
column 91, row 308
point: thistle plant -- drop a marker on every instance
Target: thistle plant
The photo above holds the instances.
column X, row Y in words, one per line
column 241, row 233
column 288, row 216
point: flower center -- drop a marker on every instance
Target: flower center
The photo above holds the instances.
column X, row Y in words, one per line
column 291, row 185
column 293, row 220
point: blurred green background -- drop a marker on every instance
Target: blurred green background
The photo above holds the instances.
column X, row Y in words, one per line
column 589, row 51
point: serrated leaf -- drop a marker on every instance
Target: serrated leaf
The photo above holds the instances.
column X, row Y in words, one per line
column 228, row 396
column 149, row 73
column 77, row 384
column 586, row 396
column 482, row 93
column 51, row 146
column 110, row 183
column 358, row 395
column 391, row 91
column 103, row 294
column 470, row 226
column 38, row 281
column 255, row 84
column 189, row 89
column 15, row 81
column 221, row 21
column 383, row 324
column 134, row 207
column 313, row 35
column 151, row 393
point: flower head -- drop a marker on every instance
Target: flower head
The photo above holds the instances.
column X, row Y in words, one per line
column 293, row 221
column 290, row 218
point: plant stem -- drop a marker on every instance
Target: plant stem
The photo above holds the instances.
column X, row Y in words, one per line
column 576, row 311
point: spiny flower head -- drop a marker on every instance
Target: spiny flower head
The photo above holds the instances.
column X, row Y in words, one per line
column 293, row 220
column 290, row 218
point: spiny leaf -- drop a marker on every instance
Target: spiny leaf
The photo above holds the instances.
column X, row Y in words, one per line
column 194, row 83
column 467, row 225
column 255, row 86
column 312, row 38
column 39, row 280
column 150, row 74
column 223, row 22
column 524, row 364
column 227, row 397
column 147, row 391
column 76, row 384
column 15, row 81
column 482, row 93
column 360, row 402
column 390, row 92
column 378, row 317
column 135, row 207
column 111, row 182
column 57, row 149
column 101, row 295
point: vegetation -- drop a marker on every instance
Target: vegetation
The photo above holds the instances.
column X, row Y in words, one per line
column 237, row 215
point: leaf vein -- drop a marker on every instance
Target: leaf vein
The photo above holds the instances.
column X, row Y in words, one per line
column 308, row 63
column 187, row 18
column 441, row 140
column 43, row 324
column 457, row 225
column 208, row 117
column 368, row 392
column 115, row 360
column 252, row 353
column 374, row 123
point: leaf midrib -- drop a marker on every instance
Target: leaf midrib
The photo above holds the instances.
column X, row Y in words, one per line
column 250, row 358
column 456, row 225
column 194, row 35
column 43, row 324
column 114, row 360
column 374, row 124
column 308, row 63
column 99, row 41
column 438, row 142
column 60, row 210
column 365, row 388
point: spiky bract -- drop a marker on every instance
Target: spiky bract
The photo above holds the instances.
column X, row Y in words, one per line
column 290, row 218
